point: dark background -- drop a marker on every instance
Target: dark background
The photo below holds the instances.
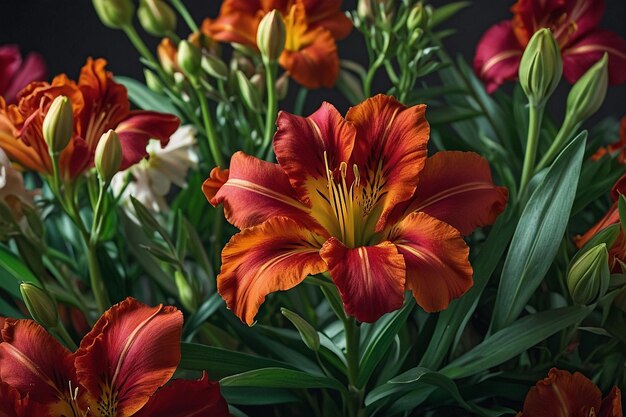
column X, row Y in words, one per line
column 66, row 32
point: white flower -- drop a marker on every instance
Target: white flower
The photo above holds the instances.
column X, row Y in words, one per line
column 13, row 194
column 151, row 179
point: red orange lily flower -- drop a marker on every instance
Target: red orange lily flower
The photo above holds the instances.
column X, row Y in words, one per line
column 356, row 197
column 574, row 23
column 17, row 72
column 118, row 370
column 312, row 26
column 617, row 252
column 99, row 104
column 563, row 394
column 618, row 147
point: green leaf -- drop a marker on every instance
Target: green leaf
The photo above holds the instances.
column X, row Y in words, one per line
column 145, row 98
column 380, row 339
column 538, row 234
column 280, row 378
column 443, row 13
column 13, row 272
column 447, row 115
column 622, row 211
column 222, row 361
column 205, row 311
column 257, row 396
column 514, row 339
column 307, row 332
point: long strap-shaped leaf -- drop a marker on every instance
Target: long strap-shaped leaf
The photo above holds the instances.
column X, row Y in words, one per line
column 538, row 235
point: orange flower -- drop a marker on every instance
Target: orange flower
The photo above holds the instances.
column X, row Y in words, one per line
column 99, row 104
column 117, row 371
column 344, row 198
column 618, row 147
column 312, row 26
column 617, row 252
column 563, row 394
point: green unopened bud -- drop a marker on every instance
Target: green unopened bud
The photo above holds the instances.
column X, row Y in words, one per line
column 258, row 81
column 418, row 18
column 541, row 67
column 156, row 17
column 115, row 14
column 248, row 92
column 589, row 92
column 588, row 278
column 270, row 36
column 215, row 67
column 152, row 81
column 282, row 86
column 189, row 59
column 186, row 293
column 58, row 125
column 42, row 308
column 108, row 156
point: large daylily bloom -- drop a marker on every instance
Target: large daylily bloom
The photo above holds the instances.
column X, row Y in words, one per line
column 574, row 23
column 118, row 370
column 312, row 26
column 358, row 198
column 563, row 394
column 17, row 72
column 99, row 104
column 617, row 251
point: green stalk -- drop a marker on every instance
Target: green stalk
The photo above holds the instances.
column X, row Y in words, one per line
column 143, row 50
column 355, row 400
column 65, row 336
column 271, row 68
column 535, row 114
column 209, row 127
column 182, row 10
column 95, row 279
column 565, row 132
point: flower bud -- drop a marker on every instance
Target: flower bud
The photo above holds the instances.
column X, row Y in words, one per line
column 270, row 36
column 215, row 67
column 418, row 18
column 186, row 293
column 108, row 156
column 588, row 278
column 42, row 308
column 58, row 125
column 189, row 59
column 541, row 67
column 249, row 94
column 156, row 17
column 167, row 51
column 115, row 14
column 152, row 81
column 282, row 86
column 589, row 92
column 258, row 81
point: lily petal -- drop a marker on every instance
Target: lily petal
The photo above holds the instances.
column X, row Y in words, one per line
column 436, row 257
column 456, row 188
column 273, row 256
column 390, row 149
column 138, row 128
column 33, row 68
column 588, row 50
column 256, row 191
column 370, row 279
column 562, row 394
column 307, row 147
column 217, row 179
column 498, row 56
column 131, row 351
column 34, row 363
column 13, row 405
column 186, row 398
column 612, row 404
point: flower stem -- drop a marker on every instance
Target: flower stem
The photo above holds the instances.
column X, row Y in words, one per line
column 65, row 336
column 210, row 129
column 143, row 50
column 535, row 114
column 564, row 133
column 352, row 354
column 95, row 278
column 271, row 68
column 182, row 10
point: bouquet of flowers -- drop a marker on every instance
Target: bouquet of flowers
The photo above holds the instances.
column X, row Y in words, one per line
column 192, row 244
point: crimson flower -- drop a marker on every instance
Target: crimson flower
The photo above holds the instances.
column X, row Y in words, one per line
column 358, row 198
column 119, row 370
column 563, row 394
column 16, row 72
column 574, row 23
column 99, row 104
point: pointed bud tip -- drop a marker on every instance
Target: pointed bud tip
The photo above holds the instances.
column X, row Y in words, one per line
column 40, row 305
column 108, row 157
column 58, row 125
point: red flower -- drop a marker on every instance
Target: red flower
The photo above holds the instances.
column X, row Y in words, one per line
column 574, row 23
column 99, row 104
column 563, row 394
column 312, row 26
column 617, row 252
column 17, row 72
column 356, row 197
column 117, row 371
column 618, row 147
